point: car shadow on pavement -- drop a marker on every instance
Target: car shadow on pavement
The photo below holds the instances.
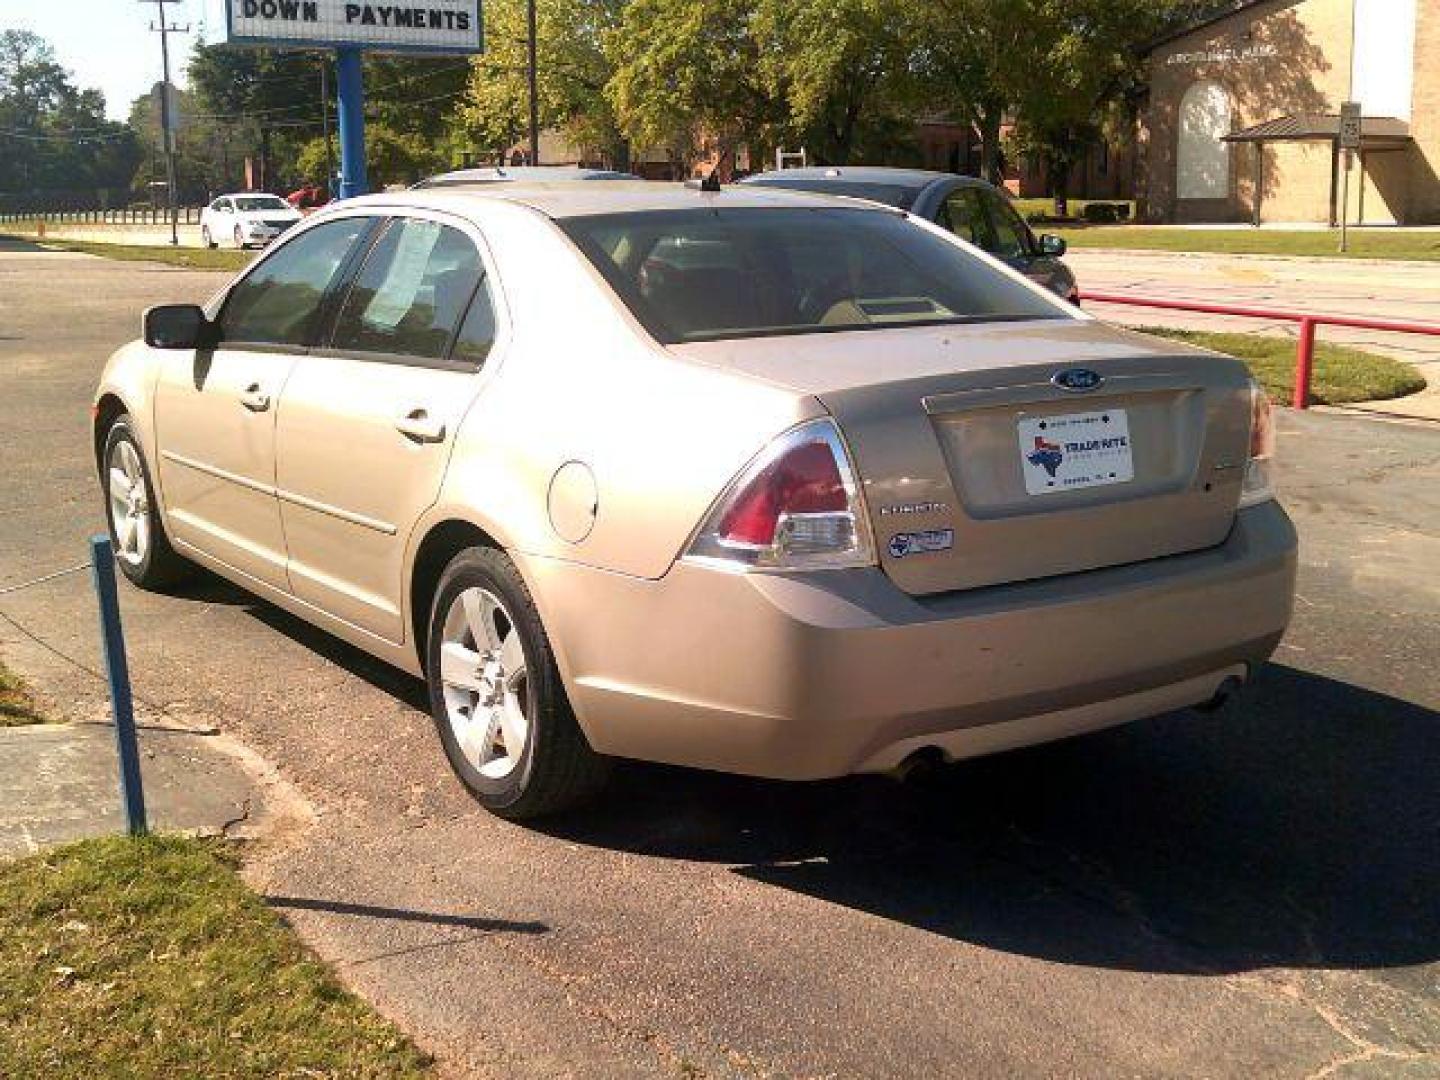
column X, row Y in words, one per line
column 1298, row 827
column 205, row 587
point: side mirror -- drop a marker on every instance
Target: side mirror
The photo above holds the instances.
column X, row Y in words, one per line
column 1052, row 245
column 177, row 326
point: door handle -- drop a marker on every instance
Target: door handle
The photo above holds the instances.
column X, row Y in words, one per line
column 417, row 425
column 255, row 399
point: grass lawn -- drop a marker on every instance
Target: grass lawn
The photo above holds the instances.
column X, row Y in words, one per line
column 1341, row 374
column 149, row 958
column 193, row 258
column 1371, row 244
column 16, row 708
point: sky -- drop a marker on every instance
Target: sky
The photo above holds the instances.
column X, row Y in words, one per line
column 107, row 44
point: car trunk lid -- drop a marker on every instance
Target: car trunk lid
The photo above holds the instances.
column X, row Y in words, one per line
column 954, row 454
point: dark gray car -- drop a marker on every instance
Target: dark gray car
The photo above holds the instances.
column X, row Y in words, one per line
column 970, row 208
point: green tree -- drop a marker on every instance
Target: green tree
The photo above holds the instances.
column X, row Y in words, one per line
column 391, row 157
column 831, row 75
column 689, row 70
column 572, row 69
column 267, row 101
column 271, row 102
column 968, row 61
column 419, row 100
column 839, row 66
column 205, row 161
column 53, row 135
column 1080, row 63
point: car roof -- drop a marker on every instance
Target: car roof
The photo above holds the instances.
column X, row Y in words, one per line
column 519, row 173
column 865, row 174
column 567, row 200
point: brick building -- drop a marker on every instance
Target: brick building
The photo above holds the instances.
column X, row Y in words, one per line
column 1243, row 114
column 1105, row 170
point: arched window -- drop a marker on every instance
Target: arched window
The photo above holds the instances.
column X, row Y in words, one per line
column 1203, row 161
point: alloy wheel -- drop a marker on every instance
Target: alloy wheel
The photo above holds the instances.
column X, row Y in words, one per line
column 129, row 506
column 483, row 673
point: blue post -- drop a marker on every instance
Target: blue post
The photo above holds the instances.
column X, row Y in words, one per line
column 112, row 639
column 350, row 89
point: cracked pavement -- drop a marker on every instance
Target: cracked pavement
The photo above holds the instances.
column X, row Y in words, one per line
column 1253, row 892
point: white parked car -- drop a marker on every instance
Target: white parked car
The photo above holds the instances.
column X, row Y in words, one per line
column 246, row 218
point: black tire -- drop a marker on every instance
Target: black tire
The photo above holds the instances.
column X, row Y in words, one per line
column 557, row 768
column 159, row 565
column 206, row 238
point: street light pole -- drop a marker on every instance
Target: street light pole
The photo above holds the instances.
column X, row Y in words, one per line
column 167, row 131
column 534, row 80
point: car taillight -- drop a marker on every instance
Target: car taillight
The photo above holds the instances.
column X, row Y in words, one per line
column 1259, row 485
column 795, row 507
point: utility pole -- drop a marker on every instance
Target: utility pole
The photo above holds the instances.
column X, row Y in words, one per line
column 325, row 125
column 167, row 130
column 534, row 80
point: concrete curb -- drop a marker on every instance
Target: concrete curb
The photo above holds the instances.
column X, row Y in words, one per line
column 1336, row 260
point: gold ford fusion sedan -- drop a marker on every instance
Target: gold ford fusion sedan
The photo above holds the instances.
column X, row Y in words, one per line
column 754, row 480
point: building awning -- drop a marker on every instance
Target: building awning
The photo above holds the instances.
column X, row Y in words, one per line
column 1379, row 132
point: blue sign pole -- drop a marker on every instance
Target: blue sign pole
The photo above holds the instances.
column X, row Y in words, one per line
column 350, row 90
column 112, row 647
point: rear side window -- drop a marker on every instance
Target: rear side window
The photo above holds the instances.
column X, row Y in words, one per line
column 697, row 275
column 409, row 296
column 278, row 302
column 477, row 332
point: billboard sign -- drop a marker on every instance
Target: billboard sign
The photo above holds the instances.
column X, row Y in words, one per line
column 406, row 26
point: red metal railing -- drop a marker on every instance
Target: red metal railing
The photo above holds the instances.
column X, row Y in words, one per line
column 1308, row 320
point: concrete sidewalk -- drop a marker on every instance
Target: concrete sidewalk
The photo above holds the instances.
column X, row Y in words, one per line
column 60, row 782
column 128, row 233
column 1379, row 289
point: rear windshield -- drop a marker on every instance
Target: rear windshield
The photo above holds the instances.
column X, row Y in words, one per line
column 708, row 273
column 897, row 195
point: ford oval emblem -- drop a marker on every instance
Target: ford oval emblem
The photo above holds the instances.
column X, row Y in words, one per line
column 1078, row 380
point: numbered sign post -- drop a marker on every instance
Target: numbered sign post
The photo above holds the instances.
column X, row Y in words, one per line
column 1352, row 134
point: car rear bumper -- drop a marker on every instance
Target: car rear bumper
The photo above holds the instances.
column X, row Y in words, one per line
column 823, row 674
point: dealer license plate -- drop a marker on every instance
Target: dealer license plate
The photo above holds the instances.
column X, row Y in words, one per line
column 1076, row 450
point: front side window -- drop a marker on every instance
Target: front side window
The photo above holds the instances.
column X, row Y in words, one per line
column 278, row 302
column 703, row 274
column 965, row 217
column 409, row 296
column 1012, row 237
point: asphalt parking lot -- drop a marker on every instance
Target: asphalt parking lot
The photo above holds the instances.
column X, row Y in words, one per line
column 1254, row 892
